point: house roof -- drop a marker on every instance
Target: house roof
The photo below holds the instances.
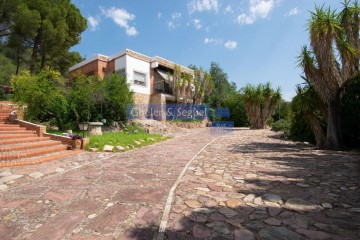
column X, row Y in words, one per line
column 161, row 61
column 169, row 64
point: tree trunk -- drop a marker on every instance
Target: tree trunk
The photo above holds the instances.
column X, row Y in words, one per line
column 316, row 129
column 35, row 50
column 43, row 58
column 17, row 64
column 333, row 138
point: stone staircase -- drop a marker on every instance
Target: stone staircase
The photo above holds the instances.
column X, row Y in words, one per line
column 20, row 146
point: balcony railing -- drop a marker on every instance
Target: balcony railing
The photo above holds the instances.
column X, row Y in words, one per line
column 162, row 87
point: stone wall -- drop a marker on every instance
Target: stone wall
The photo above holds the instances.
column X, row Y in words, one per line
column 189, row 125
column 158, row 98
column 140, row 98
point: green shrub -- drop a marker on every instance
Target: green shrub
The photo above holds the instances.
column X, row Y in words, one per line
column 300, row 129
column 281, row 125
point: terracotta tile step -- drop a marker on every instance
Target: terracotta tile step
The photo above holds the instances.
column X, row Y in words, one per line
column 4, row 124
column 33, row 138
column 24, row 135
column 39, row 159
column 10, row 128
column 29, row 145
column 20, row 131
column 31, row 153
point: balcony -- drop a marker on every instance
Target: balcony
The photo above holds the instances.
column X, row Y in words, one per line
column 162, row 82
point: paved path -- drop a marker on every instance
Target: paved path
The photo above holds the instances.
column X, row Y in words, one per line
column 94, row 196
column 247, row 185
column 252, row 185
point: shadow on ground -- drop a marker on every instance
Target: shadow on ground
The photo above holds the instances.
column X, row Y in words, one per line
column 318, row 198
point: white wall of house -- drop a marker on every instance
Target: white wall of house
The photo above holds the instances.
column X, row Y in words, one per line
column 120, row 63
column 132, row 64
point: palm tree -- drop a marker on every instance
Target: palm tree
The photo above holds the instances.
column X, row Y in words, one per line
column 203, row 85
column 333, row 60
column 260, row 103
column 186, row 87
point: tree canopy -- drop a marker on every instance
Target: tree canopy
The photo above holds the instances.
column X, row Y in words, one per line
column 41, row 32
column 50, row 98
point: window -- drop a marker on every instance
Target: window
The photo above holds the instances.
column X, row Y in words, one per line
column 140, row 78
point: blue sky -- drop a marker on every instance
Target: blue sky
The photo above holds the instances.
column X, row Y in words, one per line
column 254, row 41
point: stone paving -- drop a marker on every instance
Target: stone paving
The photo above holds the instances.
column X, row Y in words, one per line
column 246, row 185
column 94, row 195
column 253, row 185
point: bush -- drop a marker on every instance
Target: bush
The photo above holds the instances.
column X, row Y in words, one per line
column 350, row 115
column 300, row 129
column 49, row 98
column 281, row 125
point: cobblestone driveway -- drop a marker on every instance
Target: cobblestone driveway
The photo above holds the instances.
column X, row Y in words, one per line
column 252, row 185
column 247, row 185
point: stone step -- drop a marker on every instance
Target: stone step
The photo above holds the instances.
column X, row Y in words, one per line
column 3, row 124
column 11, row 128
column 12, row 136
column 20, row 131
column 27, row 145
column 33, row 138
column 31, row 152
column 39, row 159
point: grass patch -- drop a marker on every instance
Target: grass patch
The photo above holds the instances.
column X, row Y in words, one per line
column 126, row 139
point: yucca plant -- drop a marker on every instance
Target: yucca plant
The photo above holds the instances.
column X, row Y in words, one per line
column 332, row 61
column 260, row 103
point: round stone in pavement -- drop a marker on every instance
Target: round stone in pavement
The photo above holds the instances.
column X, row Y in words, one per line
column 268, row 197
column 300, row 205
column 193, row 204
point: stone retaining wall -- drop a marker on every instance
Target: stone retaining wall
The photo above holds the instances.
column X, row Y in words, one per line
column 188, row 125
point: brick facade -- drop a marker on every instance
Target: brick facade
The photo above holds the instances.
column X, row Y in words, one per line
column 96, row 67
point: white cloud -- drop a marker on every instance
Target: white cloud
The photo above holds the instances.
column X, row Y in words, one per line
column 229, row 9
column 203, row 5
column 213, row 41
column 257, row 9
column 294, row 11
column 231, row 45
column 197, row 23
column 174, row 21
column 94, row 22
column 122, row 18
column 159, row 15
column 131, row 31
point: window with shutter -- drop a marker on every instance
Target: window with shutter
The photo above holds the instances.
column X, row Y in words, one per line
column 140, row 78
